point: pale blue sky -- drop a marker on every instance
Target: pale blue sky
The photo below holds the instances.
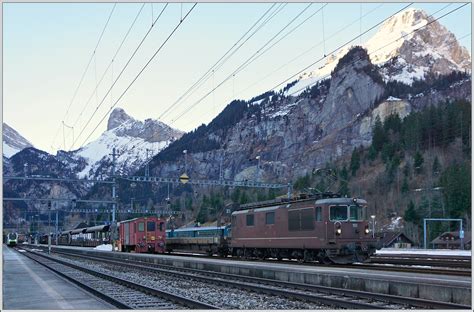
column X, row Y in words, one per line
column 47, row 47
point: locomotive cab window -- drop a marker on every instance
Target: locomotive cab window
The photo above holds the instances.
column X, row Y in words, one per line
column 150, row 226
column 338, row 213
column 319, row 214
column 250, row 220
column 141, row 227
column 357, row 213
column 161, row 226
column 270, row 218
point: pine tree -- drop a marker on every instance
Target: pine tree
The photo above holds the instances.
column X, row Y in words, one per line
column 418, row 162
column 355, row 161
column 405, row 186
column 378, row 135
column 436, row 166
column 411, row 215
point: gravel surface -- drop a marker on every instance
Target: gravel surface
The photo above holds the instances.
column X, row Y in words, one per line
column 210, row 293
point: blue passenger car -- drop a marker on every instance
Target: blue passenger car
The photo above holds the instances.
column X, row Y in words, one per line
column 210, row 240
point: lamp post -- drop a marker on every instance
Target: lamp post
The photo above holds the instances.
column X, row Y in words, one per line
column 373, row 225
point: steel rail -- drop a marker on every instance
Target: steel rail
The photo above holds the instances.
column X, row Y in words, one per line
column 241, row 285
column 193, row 304
column 226, row 278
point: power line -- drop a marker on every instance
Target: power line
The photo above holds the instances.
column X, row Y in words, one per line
column 242, row 66
column 256, row 54
column 308, row 50
column 202, row 79
column 144, row 67
column 221, row 60
column 110, row 66
column 86, row 69
column 120, row 74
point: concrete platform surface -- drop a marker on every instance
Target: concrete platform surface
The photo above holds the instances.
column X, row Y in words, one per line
column 29, row 286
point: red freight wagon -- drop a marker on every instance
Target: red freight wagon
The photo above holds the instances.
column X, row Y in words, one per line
column 145, row 234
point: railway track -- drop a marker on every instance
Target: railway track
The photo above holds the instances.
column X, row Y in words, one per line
column 337, row 297
column 121, row 293
column 407, row 266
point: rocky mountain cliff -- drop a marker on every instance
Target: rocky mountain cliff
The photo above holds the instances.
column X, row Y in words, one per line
column 131, row 138
column 13, row 142
column 408, row 46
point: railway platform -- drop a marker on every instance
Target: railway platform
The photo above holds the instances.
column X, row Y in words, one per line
column 29, row 286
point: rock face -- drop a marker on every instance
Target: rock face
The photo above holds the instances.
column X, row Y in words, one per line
column 13, row 142
column 131, row 138
column 406, row 47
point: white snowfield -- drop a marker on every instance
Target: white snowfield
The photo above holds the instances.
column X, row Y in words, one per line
column 434, row 252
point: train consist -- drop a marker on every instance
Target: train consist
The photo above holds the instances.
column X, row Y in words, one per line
column 12, row 239
column 325, row 228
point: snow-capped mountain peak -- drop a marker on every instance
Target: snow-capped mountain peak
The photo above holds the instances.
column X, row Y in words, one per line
column 117, row 118
column 13, row 142
column 406, row 47
column 131, row 138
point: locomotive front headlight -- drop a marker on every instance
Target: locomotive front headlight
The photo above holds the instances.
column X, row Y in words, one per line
column 366, row 230
column 338, row 231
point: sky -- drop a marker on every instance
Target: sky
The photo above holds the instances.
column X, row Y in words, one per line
column 47, row 47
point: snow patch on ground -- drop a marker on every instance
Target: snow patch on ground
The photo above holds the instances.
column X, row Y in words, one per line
column 283, row 111
column 106, row 247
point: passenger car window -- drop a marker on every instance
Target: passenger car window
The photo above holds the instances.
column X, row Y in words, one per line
column 319, row 214
column 141, row 227
column 150, row 226
column 250, row 220
column 270, row 218
column 338, row 213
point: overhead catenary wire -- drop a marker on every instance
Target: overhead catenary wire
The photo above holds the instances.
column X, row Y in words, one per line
column 256, row 54
column 85, row 70
column 202, row 79
column 307, row 51
column 141, row 71
column 109, row 67
column 327, row 76
column 120, row 74
column 242, row 66
column 229, row 53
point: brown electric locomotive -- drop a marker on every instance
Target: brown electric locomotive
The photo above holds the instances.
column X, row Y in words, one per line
column 329, row 229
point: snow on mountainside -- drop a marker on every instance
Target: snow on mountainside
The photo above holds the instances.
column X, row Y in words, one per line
column 131, row 138
column 433, row 49
column 13, row 142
